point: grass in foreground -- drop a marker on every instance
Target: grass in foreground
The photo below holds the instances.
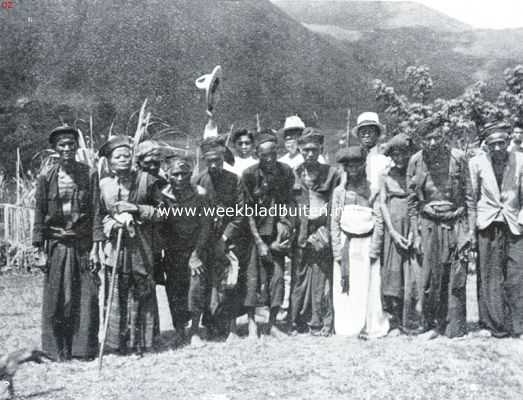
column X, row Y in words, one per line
column 295, row 368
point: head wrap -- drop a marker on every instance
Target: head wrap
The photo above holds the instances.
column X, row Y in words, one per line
column 179, row 163
column 146, row 148
column 61, row 130
column 265, row 136
column 351, row 153
column 399, row 142
column 212, row 145
column 113, row 143
column 311, row 135
column 500, row 127
column 430, row 124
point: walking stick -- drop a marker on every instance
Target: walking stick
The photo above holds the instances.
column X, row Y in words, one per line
column 110, row 299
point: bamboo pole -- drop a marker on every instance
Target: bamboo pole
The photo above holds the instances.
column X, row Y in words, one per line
column 110, row 299
column 348, row 126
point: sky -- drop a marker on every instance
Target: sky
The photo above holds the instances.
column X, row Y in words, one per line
column 491, row 14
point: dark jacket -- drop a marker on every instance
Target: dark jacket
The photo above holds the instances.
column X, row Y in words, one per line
column 86, row 222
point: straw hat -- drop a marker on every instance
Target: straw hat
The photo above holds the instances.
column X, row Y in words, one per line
column 368, row 119
column 209, row 83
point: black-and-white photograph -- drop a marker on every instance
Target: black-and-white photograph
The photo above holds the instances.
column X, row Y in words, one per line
column 261, row 199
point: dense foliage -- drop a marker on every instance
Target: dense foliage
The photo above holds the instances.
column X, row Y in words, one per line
column 463, row 117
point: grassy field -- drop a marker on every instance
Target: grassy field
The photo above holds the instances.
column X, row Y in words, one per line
column 295, row 368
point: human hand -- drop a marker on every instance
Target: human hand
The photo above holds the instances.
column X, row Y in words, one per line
column 263, row 251
column 418, row 248
column 125, row 206
column 94, row 259
column 400, row 240
column 345, row 286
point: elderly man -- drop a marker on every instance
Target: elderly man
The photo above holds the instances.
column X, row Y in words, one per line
column 312, row 269
column 224, row 192
column 369, row 130
column 68, row 230
column 185, row 252
column 439, row 196
column 497, row 183
column 268, row 188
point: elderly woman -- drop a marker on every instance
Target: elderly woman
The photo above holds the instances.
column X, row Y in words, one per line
column 438, row 184
column 400, row 272
column 128, row 200
column 67, row 231
column 357, row 236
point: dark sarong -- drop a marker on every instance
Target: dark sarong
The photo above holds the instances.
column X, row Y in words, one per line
column 70, row 315
column 444, row 278
column 186, row 294
column 311, row 299
column 134, row 310
column 401, row 274
column 267, row 277
column 500, row 280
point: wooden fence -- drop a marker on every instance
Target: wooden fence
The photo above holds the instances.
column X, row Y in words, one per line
column 16, row 232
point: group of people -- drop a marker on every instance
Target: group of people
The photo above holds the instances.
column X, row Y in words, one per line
column 381, row 249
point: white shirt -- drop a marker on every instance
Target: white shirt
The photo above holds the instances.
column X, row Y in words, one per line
column 377, row 166
column 241, row 164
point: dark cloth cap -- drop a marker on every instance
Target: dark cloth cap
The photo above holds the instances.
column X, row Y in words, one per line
column 311, row 135
column 495, row 127
column 213, row 144
column 113, row 143
column 400, row 142
column 180, row 162
column 430, row 124
column 147, row 147
column 266, row 136
column 64, row 129
column 351, row 153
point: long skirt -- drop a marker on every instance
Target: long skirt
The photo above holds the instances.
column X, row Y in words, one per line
column 500, row 280
column 311, row 292
column 70, row 314
column 264, row 279
column 186, row 293
column 444, row 304
column 401, row 273
column 132, row 320
column 360, row 311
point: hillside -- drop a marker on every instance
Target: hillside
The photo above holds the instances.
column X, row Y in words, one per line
column 369, row 15
column 75, row 58
column 388, row 36
column 62, row 60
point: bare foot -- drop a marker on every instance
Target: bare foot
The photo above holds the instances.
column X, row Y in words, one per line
column 196, row 341
column 326, row 331
column 232, row 338
column 394, row 333
column 253, row 330
column 429, row 335
column 276, row 333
